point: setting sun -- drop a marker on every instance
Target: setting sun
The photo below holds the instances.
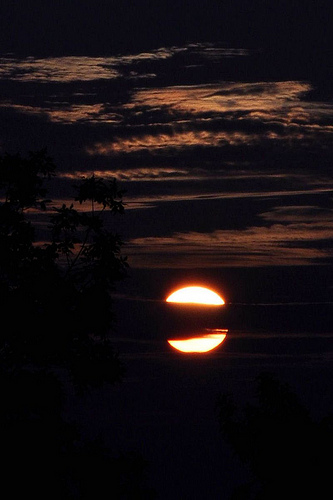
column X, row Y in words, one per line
column 195, row 295
column 202, row 344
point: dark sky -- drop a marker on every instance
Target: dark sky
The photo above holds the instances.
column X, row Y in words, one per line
column 217, row 119
column 86, row 27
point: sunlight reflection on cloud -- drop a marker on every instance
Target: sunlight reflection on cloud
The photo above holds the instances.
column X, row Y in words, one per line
column 70, row 114
column 221, row 195
column 218, row 114
column 170, row 141
column 74, row 68
column 58, row 69
column 278, row 244
column 176, row 142
column 82, row 68
column 167, row 117
column 306, row 213
column 225, row 96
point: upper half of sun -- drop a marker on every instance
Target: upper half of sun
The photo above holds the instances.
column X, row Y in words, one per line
column 196, row 295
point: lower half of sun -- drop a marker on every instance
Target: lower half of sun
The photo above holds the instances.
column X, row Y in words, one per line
column 200, row 344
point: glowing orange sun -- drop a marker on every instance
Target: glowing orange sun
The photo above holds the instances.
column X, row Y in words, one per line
column 195, row 295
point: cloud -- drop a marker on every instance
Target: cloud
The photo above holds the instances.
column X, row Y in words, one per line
column 66, row 69
column 218, row 115
column 65, row 113
column 198, row 195
column 138, row 118
column 171, row 141
column 58, row 69
column 157, row 174
column 224, row 97
column 302, row 213
column 278, row 244
column 263, row 148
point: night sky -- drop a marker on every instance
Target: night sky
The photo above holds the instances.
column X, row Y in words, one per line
column 216, row 118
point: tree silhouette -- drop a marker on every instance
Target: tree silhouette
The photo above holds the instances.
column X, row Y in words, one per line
column 45, row 456
column 56, row 318
column 286, row 450
column 57, row 296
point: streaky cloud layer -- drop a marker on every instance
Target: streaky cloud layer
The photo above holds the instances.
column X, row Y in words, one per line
column 299, row 243
column 219, row 169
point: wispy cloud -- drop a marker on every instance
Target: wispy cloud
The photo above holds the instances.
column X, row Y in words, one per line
column 299, row 214
column 197, row 195
column 58, row 69
column 164, row 118
column 66, row 113
column 157, row 174
column 78, row 68
column 173, row 140
column 223, row 97
column 82, row 68
column 278, row 244
column 220, row 114
column 144, row 119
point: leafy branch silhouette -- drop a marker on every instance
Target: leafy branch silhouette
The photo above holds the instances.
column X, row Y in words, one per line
column 56, row 299
column 57, row 295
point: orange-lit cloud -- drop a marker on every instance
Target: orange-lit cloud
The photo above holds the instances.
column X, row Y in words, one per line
column 172, row 117
column 220, row 114
column 278, row 244
column 78, row 68
column 197, row 195
column 180, row 139
column 244, row 141
column 153, row 174
column 69, row 114
column 58, row 69
column 83, row 68
column 225, row 97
